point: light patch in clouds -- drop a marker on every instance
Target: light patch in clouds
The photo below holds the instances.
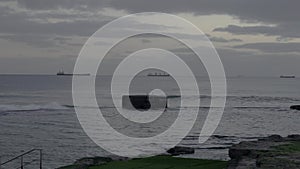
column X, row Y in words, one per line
column 223, row 40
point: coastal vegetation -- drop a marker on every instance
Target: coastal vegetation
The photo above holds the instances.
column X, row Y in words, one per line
column 158, row 162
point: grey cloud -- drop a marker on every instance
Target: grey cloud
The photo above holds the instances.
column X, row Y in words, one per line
column 251, row 11
column 56, row 4
column 30, row 24
column 285, row 14
column 251, row 63
column 234, row 29
column 44, row 41
column 42, row 65
column 272, row 47
column 62, row 40
column 146, row 41
column 229, row 52
column 248, row 10
column 290, row 30
column 32, row 40
column 68, row 23
column 23, row 26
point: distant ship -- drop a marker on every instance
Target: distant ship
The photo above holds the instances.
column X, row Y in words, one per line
column 62, row 73
column 288, row 76
column 158, row 74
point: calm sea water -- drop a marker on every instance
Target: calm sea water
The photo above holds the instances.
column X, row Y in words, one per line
column 35, row 112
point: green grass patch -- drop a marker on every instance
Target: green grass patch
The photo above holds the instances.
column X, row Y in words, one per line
column 292, row 147
column 163, row 162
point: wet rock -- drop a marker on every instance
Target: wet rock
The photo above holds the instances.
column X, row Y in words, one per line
column 294, row 137
column 177, row 150
column 89, row 161
column 235, row 153
column 274, row 137
column 85, row 163
column 220, row 136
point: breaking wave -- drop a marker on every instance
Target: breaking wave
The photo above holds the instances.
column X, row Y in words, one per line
column 6, row 108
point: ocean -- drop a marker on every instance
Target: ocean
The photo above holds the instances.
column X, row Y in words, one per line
column 36, row 112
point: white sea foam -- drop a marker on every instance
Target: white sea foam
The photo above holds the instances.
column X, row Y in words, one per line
column 31, row 107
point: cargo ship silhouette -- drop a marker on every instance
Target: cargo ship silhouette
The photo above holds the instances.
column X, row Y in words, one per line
column 158, row 74
column 62, row 73
column 287, row 76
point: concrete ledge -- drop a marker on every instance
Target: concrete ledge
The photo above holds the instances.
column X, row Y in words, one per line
column 295, row 107
column 144, row 102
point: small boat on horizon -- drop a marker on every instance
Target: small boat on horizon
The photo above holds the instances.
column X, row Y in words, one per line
column 287, row 76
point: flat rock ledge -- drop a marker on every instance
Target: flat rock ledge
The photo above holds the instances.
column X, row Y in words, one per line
column 273, row 152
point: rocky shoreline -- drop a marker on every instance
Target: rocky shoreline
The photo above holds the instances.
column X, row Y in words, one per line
column 273, row 152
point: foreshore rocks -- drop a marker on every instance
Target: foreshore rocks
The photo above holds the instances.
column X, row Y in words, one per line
column 86, row 162
column 295, row 107
column 273, row 152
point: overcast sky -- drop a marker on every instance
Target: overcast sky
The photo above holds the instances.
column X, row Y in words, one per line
column 252, row 37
